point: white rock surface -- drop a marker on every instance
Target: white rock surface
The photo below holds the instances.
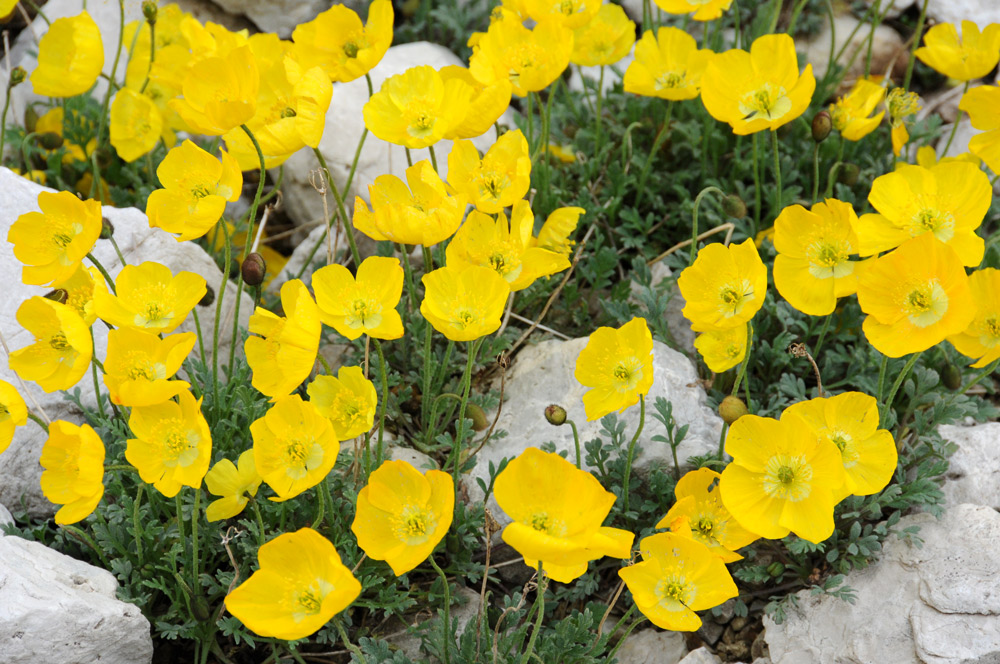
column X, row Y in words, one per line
column 960, row 144
column 19, row 469
column 57, row 609
column 678, row 326
column 939, row 604
column 278, row 16
column 888, row 49
column 415, row 458
column 5, row 518
column 983, row 12
column 543, row 375
column 701, row 656
column 344, row 126
column 974, row 470
column 652, row 646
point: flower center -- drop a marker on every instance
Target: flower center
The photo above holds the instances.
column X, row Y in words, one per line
column 493, row 184
column 845, row 443
column 674, row 591
column 142, row 368
column 939, row 222
column 365, row 312
column 925, row 304
column 829, row 258
column 788, row 477
column 58, row 341
column 671, row 79
column 767, row 102
column 351, row 49
column 734, row 296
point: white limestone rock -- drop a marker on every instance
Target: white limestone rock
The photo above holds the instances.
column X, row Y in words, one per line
column 278, row 16
column 974, row 470
column 543, row 375
column 415, row 458
column 982, row 12
column 937, row 604
column 19, row 469
column 344, row 126
column 5, row 518
column 701, row 656
column 652, row 646
column 57, row 609
column 888, row 51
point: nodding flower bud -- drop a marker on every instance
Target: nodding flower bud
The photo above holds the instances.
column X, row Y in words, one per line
column 822, row 125
column 17, row 76
column 951, row 376
column 208, row 298
column 149, row 10
column 848, row 174
column 58, row 295
column 30, row 119
column 50, row 140
column 478, row 417
column 734, row 206
column 107, row 228
column 254, row 270
column 731, row 409
column 556, row 415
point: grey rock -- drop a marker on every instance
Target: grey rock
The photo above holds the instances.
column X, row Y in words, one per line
column 415, row 458
column 278, row 16
column 57, row 609
column 888, row 50
column 974, row 470
column 710, row 631
column 19, row 469
column 701, row 656
column 678, row 326
column 543, row 375
column 5, row 518
column 652, row 646
column 939, row 603
column 982, row 12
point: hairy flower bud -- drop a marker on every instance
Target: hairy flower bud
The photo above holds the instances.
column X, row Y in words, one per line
column 556, row 415
column 50, row 140
column 731, row 409
column 478, row 417
column 17, row 76
column 951, row 376
column 107, row 228
column 822, row 125
column 149, row 10
column 848, row 174
column 208, row 298
column 254, row 270
column 734, row 206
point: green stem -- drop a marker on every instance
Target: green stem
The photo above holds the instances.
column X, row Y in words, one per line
column 822, row 337
column 777, row 172
column 180, row 521
column 137, row 523
column 101, row 125
column 897, row 383
column 447, row 609
column 540, row 603
column 815, row 173
column 3, row 119
column 914, row 44
column 880, row 390
column 260, row 522
column 39, row 421
column 38, row 11
column 348, row 225
column 531, row 123
column 434, row 161
column 219, row 297
column 756, row 187
column 425, row 398
column 152, row 53
column 597, row 115
column 661, row 136
column 201, row 338
column 104, row 273
column 347, row 642
column 954, row 127
column 195, row 560
column 694, row 220
column 638, row 621
column 472, row 350
column 722, row 441
column 576, row 442
column 320, row 507
column 97, row 385
column 118, row 251
column 86, row 539
column 631, row 451
column 384, row 400
column 411, row 287
column 795, row 16
column 746, row 361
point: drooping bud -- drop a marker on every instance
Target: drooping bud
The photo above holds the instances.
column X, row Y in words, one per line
column 107, row 228
column 731, row 409
column 556, row 415
column 254, row 269
column 149, row 11
column 30, row 120
column 822, row 125
column 848, row 174
column 50, row 140
column 734, row 206
column 208, row 298
column 951, row 376
column 17, row 76
column 59, row 295
column 478, row 417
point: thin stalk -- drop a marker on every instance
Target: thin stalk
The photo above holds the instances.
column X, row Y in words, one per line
column 447, row 609
column 897, row 383
column 631, row 451
column 137, row 523
column 540, row 604
column 661, row 136
column 39, row 421
column 694, row 220
column 638, row 621
column 260, row 522
column 118, row 251
column 881, row 378
column 201, row 339
column 746, row 361
column 815, row 173
column 320, row 507
column 777, row 172
column 384, row 400
column 104, row 273
column 472, row 350
column 722, row 441
column 756, row 188
column 195, row 560
column 954, row 127
column 93, row 369
column 411, row 286
column 347, row 642
column 152, row 53
column 434, row 161
column 990, row 368
column 3, row 119
column 531, row 123
column 576, row 441
column 86, row 539
column 348, row 226
column 914, row 44
column 425, row 398
column 597, row 115
column 219, row 297
column 101, row 125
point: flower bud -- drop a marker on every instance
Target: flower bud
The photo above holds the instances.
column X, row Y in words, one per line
column 58, row 295
column 105, row 157
column 208, row 298
column 149, row 10
column 254, row 270
column 50, row 140
column 734, row 206
column 848, row 174
column 556, row 415
column 107, row 228
column 731, row 409
column 478, row 417
column 17, row 76
column 951, row 376
column 30, row 120
column 822, row 125
column 776, row 569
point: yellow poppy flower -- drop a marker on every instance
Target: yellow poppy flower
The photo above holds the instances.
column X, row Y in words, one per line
column 285, row 352
column 336, row 41
column 981, row 339
column 569, row 13
column 555, row 232
column 722, row 349
column 233, row 483
column 915, row 297
column 557, row 510
column 850, row 113
column 13, row 413
column 948, row 201
column 73, row 470
column 348, row 400
column 498, row 179
column 677, row 576
column 813, row 266
column 417, row 108
column 62, row 350
column 724, row 287
column 758, row 90
column 52, row 243
column 136, row 124
column 464, row 304
column 900, row 104
column 219, row 92
column 927, row 157
column 300, row 585
column 782, row 479
column 983, row 106
column 704, row 10
column 80, row 290
column 70, row 57
column 423, row 214
column 530, row 59
column 603, row 40
column 488, row 102
column 196, row 187
column 669, row 65
column 618, row 367
column 291, row 112
column 403, row 514
column 850, row 421
column 293, row 446
column 172, row 445
column 710, row 523
column 139, row 366
column 365, row 304
column 150, row 297
column 505, row 248
column 964, row 58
